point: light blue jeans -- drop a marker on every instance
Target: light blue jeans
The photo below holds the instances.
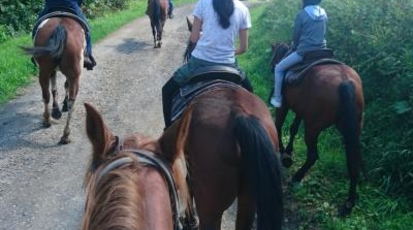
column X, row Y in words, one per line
column 280, row 70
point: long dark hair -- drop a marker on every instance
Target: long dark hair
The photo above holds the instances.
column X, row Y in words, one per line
column 224, row 9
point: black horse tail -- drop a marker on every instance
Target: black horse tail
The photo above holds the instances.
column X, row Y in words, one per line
column 349, row 127
column 263, row 169
column 54, row 46
column 156, row 16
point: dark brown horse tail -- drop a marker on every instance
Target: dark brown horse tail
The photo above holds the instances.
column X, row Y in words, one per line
column 349, row 125
column 156, row 15
column 263, row 169
column 54, row 46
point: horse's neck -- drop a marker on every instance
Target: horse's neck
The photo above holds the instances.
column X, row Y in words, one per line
column 156, row 202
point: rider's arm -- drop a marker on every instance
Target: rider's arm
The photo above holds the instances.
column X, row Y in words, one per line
column 196, row 30
column 243, row 42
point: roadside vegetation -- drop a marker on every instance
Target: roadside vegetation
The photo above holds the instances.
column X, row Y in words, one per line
column 375, row 39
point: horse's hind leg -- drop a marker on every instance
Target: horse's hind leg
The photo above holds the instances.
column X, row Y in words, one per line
column 64, row 106
column 246, row 209
column 44, row 81
column 311, row 136
column 73, row 90
column 280, row 116
column 56, row 113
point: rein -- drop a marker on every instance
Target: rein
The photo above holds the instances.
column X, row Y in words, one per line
column 147, row 158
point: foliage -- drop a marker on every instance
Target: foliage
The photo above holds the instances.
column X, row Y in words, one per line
column 375, row 39
column 18, row 16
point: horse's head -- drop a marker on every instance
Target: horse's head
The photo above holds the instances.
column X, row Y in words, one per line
column 279, row 51
column 134, row 169
column 105, row 143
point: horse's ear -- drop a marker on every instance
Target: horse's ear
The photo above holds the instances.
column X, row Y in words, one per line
column 189, row 23
column 98, row 133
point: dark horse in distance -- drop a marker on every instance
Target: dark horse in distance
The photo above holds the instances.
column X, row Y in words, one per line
column 59, row 45
column 158, row 13
column 328, row 93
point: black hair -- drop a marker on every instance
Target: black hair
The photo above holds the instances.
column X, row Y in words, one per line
column 224, row 9
column 311, row 2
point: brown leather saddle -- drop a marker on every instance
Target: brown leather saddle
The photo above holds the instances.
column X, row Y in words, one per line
column 203, row 80
column 296, row 73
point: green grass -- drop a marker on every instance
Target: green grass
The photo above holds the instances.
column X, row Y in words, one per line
column 17, row 71
column 313, row 204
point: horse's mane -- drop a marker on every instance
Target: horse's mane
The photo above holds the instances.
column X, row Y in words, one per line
column 279, row 51
column 114, row 201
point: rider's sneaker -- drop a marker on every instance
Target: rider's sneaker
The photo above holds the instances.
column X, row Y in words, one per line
column 276, row 101
column 89, row 62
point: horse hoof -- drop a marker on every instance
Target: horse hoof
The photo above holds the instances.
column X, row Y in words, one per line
column 345, row 210
column 56, row 114
column 64, row 141
column 46, row 124
column 64, row 106
column 286, row 160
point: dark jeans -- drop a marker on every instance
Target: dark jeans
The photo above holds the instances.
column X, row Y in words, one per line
column 79, row 13
column 171, row 7
column 171, row 86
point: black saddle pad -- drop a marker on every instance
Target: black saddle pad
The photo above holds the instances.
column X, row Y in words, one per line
column 296, row 73
column 204, row 80
column 62, row 12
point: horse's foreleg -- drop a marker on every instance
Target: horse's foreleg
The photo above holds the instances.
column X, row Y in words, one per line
column 56, row 113
column 280, row 116
column 154, row 34
column 287, row 156
column 311, row 136
column 44, row 79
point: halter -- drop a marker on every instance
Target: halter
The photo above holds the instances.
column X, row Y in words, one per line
column 147, row 158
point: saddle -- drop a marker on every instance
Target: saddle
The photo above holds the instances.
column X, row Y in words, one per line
column 62, row 12
column 296, row 73
column 203, row 80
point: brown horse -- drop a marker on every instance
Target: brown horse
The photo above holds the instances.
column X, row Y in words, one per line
column 158, row 13
column 59, row 45
column 328, row 94
column 230, row 143
column 129, row 182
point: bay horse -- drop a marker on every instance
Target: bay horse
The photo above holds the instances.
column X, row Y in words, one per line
column 158, row 13
column 130, row 183
column 59, row 45
column 328, row 94
column 230, row 143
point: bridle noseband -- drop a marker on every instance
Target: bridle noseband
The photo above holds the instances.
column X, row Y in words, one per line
column 147, row 158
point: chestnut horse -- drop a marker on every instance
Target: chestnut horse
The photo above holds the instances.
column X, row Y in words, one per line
column 158, row 13
column 328, row 94
column 59, row 45
column 230, row 143
column 130, row 183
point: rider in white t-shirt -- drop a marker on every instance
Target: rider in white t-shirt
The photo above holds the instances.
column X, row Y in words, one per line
column 221, row 23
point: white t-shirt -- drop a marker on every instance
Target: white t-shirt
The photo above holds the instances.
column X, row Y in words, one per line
column 217, row 44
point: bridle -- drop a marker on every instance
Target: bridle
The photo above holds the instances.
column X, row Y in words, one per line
column 147, row 159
